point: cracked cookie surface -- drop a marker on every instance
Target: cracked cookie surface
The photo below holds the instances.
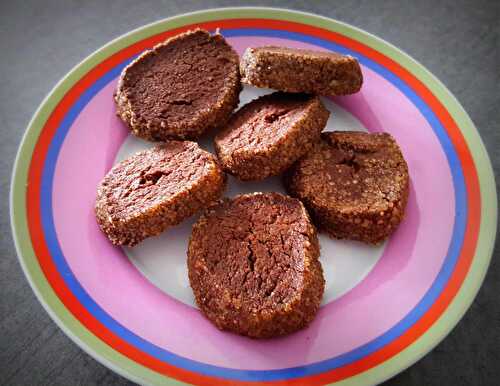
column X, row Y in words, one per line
column 181, row 88
column 253, row 265
column 155, row 189
column 354, row 184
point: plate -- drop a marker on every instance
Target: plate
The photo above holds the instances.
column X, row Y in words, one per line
column 132, row 309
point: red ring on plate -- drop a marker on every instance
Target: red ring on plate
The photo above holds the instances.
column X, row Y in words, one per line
column 363, row 364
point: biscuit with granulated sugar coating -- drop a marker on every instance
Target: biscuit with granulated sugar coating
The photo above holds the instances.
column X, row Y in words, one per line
column 155, row 189
column 355, row 185
column 181, row 88
column 253, row 265
column 267, row 135
column 298, row 70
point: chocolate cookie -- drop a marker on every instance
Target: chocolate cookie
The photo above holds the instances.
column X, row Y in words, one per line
column 296, row 70
column 355, row 185
column 181, row 88
column 269, row 134
column 155, row 189
column 253, row 265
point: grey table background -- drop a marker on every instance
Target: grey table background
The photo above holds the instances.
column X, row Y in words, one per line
column 42, row 40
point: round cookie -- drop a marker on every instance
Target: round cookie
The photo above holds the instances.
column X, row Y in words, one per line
column 355, row 185
column 181, row 88
column 253, row 265
column 267, row 135
column 155, row 189
column 298, row 70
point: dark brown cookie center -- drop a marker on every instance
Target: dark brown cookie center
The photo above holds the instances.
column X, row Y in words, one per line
column 263, row 122
column 256, row 254
column 180, row 79
column 152, row 177
column 357, row 177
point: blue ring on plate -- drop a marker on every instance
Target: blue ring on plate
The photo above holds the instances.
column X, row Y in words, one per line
column 263, row 375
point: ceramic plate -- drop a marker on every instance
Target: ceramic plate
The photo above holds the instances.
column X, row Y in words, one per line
column 132, row 309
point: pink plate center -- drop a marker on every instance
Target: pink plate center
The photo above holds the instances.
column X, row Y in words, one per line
column 400, row 278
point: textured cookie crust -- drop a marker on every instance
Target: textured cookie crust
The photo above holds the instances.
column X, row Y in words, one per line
column 253, row 265
column 155, row 189
column 355, row 185
column 269, row 134
column 296, row 70
column 181, row 88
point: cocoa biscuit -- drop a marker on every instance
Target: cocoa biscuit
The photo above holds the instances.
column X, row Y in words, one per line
column 269, row 134
column 181, row 88
column 253, row 265
column 296, row 70
column 155, row 189
column 355, row 185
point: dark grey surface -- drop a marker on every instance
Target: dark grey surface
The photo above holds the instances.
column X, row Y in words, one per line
column 42, row 40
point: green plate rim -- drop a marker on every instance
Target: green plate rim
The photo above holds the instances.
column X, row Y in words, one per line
column 140, row 374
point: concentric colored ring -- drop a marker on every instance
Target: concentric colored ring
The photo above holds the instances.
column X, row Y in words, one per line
column 51, row 260
column 165, row 356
